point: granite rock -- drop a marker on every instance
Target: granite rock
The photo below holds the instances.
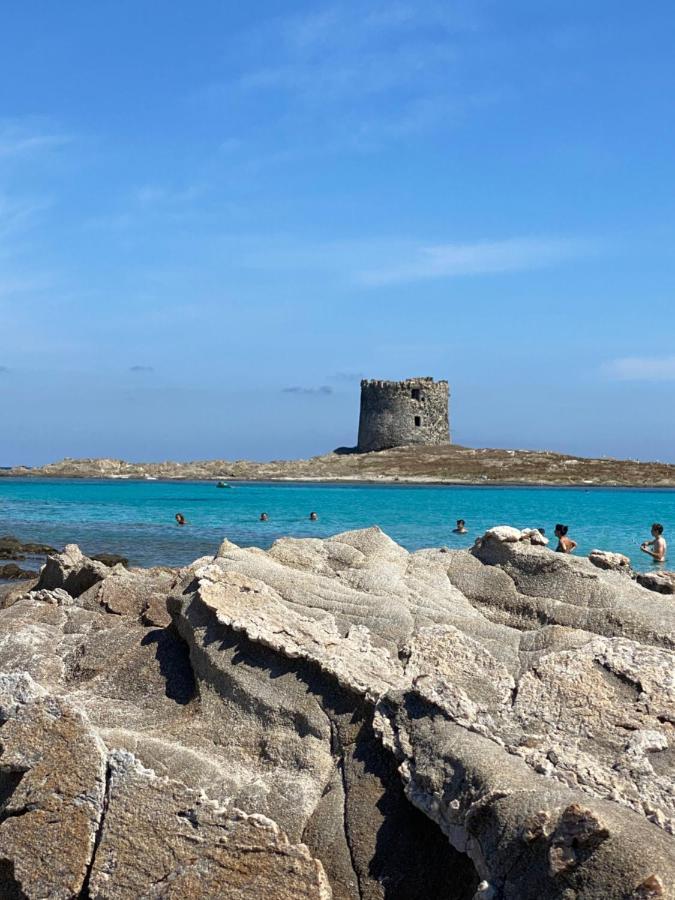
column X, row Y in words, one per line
column 496, row 722
column 525, row 586
column 72, row 571
column 615, row 562
column 529, row 837
column 161, row 839
column 52, row 787
column 659, row 581
column 296, row 699
column 137, row 593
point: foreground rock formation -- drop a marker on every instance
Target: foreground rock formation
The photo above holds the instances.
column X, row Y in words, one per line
column 442, row 463
column 339, row 718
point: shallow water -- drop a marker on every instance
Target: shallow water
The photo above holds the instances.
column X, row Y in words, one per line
column 136, row 518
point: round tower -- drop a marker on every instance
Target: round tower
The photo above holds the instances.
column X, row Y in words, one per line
column 395, row 413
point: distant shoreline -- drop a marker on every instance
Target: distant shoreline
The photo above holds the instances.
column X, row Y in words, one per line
column 347, row 482
column 442, row 464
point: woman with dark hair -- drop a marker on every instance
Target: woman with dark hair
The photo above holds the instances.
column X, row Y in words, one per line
column 180, row 519
column 565, row 544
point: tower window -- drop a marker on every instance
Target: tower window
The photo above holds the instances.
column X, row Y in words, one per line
column 418, row 421
column 415, row 393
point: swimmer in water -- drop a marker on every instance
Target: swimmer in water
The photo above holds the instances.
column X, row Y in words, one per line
column 565, row 544
column 461, row 527
column 264, row 517
column 658, row 545
column 180, row 519
column 313, row 517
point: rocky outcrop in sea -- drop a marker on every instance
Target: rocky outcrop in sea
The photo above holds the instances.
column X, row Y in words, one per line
column 339, row 718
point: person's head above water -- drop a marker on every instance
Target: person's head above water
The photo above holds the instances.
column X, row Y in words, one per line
column 180, row 518
column 264, row 517
column 461, row 523
column 657, row 529
column 313, row 516
column 561, row 530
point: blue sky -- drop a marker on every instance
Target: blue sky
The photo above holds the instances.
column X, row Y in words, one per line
column 216, row 217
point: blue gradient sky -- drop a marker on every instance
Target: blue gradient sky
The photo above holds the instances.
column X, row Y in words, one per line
column 215, row 217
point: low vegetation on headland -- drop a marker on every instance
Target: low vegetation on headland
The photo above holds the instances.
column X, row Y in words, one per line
column 448, row 463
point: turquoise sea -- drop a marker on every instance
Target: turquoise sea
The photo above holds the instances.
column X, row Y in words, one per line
column 136, row 518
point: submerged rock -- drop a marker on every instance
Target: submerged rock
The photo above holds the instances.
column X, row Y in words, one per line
column 12, row 572
column 111, row 559
column 13, row 548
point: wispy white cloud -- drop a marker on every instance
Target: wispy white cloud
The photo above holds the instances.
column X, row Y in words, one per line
column 153, row 196
column 16, row 216
column 323, row 390
column 147, row 204
column 355, row 24
column 23, row 138
column 372, row 262
column 24, row 143
column 641, row 368
column 19, row 273
column 366, row 74
column 479, row 258
column 362, row 74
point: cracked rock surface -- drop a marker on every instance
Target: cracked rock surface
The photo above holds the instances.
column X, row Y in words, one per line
column 339, row 718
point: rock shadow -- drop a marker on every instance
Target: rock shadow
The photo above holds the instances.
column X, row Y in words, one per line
column 393, row 845
column 173, row 657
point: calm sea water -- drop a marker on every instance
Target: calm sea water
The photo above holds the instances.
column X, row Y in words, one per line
column 136, row 518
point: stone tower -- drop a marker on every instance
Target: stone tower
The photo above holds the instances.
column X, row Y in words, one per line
column 394, row 413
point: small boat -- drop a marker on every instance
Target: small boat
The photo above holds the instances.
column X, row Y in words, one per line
column 223, row 484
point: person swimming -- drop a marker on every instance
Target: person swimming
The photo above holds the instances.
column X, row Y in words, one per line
column 264, row 517
column 461, row 527
column 565, row 544
column 658, row 544
column 180, row 519
column 313, row 517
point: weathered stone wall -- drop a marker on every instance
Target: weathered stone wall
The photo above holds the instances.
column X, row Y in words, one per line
column 396, row 413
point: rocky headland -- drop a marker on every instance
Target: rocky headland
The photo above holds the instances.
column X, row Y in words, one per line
column 449, row 463
column 339, row 718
